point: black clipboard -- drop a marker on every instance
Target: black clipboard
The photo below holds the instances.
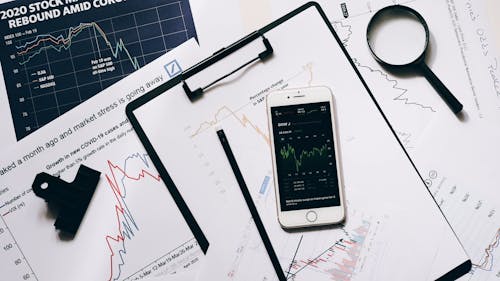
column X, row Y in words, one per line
column 197, row 93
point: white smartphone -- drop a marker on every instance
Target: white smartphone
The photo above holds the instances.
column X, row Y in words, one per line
column 306, row 160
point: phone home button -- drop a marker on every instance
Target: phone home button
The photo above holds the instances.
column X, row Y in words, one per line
column 311, row 216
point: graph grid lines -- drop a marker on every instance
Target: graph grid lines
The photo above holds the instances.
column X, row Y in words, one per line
column 60, row 64
column 94, row 42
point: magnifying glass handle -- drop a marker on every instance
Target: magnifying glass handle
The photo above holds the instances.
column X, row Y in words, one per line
column 445, row 94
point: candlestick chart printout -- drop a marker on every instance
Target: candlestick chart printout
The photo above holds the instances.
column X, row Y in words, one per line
column 57, row 54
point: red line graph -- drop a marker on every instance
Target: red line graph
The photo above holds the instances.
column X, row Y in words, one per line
column 339, row 260
column 486, row 261
column 119, row 208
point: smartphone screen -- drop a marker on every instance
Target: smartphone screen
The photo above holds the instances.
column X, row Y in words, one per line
column 305, row 156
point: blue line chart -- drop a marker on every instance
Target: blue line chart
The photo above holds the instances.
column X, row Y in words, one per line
column 39, row 44
column 127, row 226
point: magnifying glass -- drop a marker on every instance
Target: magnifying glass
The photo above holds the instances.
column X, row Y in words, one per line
column 398, row 37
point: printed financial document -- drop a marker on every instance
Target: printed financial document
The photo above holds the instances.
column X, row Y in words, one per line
column 57, row 54
column 132, row 229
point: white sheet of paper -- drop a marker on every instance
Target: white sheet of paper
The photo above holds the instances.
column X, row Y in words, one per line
column 132, row 228
column 189, row 275
column 391, row 216
column 460, row 168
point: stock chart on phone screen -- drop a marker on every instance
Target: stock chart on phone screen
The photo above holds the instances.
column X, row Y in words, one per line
column 305, row 156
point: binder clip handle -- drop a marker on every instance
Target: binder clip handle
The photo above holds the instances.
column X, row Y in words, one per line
column 71, row 199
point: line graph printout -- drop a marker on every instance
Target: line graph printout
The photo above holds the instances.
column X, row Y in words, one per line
column 463, row 177
column 475, row 220
column 132, row 229
column 57, row 54
column 460, row 159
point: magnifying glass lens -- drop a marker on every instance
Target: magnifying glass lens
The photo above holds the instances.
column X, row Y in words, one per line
column 397, row 37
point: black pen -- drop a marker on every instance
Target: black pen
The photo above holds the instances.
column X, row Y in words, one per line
column 253, row 210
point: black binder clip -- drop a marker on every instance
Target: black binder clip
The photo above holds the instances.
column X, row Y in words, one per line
column 197, row 93
column 71, row 199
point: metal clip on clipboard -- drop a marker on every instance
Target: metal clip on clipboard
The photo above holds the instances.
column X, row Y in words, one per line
column 219, row 55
